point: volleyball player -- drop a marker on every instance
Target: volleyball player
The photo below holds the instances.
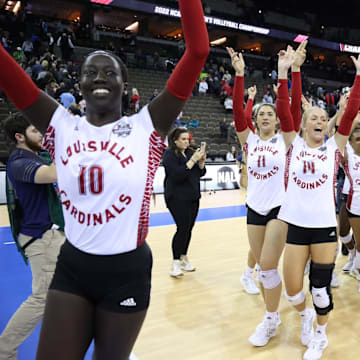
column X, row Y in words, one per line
column 308, row 206
column 265, row 164
column 105, row 165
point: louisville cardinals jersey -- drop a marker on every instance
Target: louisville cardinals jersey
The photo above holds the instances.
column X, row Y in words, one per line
column 105, row 175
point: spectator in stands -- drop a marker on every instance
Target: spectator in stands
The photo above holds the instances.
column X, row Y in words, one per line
column 223, row 128
column 192, row 143
column 227, row 90
column 75, row 109
column 231, row 134
column 19, row 55
column 194, row 123
column 28, row 48
column 51, row 42
column 228, row 104
column 232, row 154
column 203, row 87
column 154, row 94
column 268, row 99
column 178, row 122
column 66, row 46
column 135, row 100
column 226, row 77
column 5, row 42
column 67, row 98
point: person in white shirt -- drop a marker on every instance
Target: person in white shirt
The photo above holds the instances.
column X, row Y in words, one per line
column 309, row 206
column 203, row 87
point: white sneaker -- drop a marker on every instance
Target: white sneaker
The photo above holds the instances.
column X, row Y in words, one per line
column 133, row 357
column 264, row 332
column 347, row 267
column 355, row 272
column 249, row 285
column 185, row 264
column 176, row 269
column 334, row 281
column 316, row 347
column 307, row 329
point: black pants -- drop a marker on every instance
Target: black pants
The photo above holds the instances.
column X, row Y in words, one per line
column 184, row 213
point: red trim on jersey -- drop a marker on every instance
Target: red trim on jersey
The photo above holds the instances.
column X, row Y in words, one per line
column 48, row 142
column 338, row 158
column 351, row 182
column 287, row 165
column 156, row 148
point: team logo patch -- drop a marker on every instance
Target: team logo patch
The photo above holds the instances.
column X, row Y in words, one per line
column 323, row 148
column 274, row 140
column 122, row 128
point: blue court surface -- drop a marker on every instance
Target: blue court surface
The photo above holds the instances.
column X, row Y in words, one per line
column 15, row 279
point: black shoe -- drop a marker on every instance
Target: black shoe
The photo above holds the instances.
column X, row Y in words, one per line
column 344, row 250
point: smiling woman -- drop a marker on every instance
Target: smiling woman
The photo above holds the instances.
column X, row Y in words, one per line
column 101, row 286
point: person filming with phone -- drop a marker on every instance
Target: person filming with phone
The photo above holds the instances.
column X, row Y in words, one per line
column 183, row 169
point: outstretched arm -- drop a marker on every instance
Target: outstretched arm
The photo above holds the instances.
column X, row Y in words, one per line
column 241, row 125
column 296, row 88
column 352, row 108
column 286, row 59
column 36, row 105
column 165, row 108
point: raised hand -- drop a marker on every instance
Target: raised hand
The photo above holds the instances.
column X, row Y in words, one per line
column 305, row 103
column 300, row 56
column 286, row 58
column 237, row 61
column 343, row 101
column 356, row 62
column 252, row 92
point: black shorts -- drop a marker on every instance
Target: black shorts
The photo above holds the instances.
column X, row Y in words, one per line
column 351, row 215
column 298, row 235
column 254, row 218
column 119, row 283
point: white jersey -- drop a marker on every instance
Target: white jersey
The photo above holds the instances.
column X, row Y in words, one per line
column 352, row 169
column 310, row 178
column 346, row 187
column 265, row 165
column 105, row 175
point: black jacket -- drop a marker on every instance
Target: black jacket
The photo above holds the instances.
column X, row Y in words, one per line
column 180, row 182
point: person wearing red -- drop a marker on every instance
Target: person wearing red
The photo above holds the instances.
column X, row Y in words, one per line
column 310, row 175
column 106, row 165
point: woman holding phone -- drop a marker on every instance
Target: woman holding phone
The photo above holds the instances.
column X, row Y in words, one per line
column 183, row 170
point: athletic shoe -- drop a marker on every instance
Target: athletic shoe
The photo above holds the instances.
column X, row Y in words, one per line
column 347, row 267
column 334, row 281
column 249, row 284
column 185, row 264
column 176, row 269
column 354, row 272
column 264, row 332
column 307, row 329
column 133, row 357
column 316, row 347
column 344, row 250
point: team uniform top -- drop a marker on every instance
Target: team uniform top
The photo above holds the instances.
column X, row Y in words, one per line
column 310, row 177
column 346, row 187
column 265, row 166
column 352, row 168
column 105, row 176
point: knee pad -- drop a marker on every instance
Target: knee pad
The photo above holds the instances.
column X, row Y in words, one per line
column 296, row 299
column 346, row 239
column 270, row 278
column 320, row 279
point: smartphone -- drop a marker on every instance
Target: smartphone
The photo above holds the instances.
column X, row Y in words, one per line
column 203, row 145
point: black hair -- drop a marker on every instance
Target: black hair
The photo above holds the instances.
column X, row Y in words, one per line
column 123, row 67
column 353, row 132
column 174, row 134
column 15, row 123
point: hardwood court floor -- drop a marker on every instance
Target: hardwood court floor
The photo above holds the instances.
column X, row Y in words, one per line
column 207, row 315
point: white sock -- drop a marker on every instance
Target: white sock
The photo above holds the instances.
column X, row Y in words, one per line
column 352, row 251
column 321, row 329
column 249, row 271
column 271, row 315
column 357, row 260
column 346, row 239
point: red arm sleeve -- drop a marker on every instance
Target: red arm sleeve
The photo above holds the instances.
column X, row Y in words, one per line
column 187, row 71
column 238, row 104
column 352, row 109
column 296, row 91
column 16, row 84
column 248, row 114
column 283, row 107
